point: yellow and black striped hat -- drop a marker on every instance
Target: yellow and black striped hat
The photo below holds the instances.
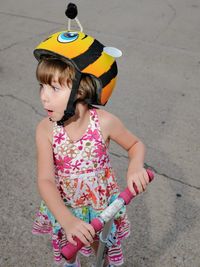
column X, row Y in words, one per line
column 88, row 56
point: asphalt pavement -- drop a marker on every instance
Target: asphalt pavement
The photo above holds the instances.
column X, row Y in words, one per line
column 158, row 99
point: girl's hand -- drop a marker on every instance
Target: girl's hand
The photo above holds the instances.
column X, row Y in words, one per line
column 140, row 178
column 77, row 228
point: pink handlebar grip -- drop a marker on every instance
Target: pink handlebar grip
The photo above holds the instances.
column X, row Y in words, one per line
column 70, row 250
column 128, row 196
column 97, row 224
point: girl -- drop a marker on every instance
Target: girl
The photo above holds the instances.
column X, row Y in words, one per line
column 75, row 177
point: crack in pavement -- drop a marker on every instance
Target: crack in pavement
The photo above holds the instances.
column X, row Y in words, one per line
column 158, row 172
column 7, row 47
column 26, row 39
column 30, row 18
column 146, row 42
column 24, row 102
column 169, row 22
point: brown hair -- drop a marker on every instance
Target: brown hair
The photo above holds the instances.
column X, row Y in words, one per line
column 48, row 67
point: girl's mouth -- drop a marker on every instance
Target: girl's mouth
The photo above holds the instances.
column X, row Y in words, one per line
column 49, row 112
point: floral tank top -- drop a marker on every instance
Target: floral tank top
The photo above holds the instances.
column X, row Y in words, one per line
column 83, row 173
column 87, row 185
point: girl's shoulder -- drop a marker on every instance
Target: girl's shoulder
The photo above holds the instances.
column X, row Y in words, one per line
column 45, row 129
column 108, row 122
column 106, row 118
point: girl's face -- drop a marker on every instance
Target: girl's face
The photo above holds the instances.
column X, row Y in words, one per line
column 54, row 98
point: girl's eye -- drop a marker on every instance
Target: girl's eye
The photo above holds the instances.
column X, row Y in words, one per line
column 56, row 89
column 40, row 86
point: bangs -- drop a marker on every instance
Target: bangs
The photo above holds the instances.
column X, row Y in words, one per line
column 51, row 70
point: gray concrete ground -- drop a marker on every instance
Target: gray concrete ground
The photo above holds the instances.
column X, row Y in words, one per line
column 157, row 97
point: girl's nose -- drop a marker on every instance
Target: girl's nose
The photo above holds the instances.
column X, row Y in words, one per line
column 44, row 94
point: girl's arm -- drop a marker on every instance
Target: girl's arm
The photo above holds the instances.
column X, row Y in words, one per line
column 116, row 131
column 49, row 192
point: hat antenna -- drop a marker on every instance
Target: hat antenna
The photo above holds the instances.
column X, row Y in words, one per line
column 71, row 12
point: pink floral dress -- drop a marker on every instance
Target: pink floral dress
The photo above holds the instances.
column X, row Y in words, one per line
column 87, row 185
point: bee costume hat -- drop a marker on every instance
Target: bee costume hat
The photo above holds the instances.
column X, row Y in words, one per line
column 87, row 55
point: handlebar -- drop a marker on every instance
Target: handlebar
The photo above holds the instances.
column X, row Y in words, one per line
column 124, row 198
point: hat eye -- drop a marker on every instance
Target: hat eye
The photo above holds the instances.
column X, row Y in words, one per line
column 67, row 37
